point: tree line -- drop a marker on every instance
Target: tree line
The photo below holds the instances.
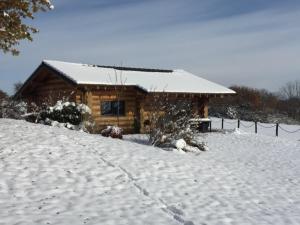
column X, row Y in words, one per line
column 260, row 104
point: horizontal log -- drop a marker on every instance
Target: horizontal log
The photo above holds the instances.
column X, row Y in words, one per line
column 130, row 108
column 103, row 118
column 123, row 124
column 54, row 89
column 56, row 82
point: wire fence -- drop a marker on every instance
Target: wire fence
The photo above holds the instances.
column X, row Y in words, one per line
column 291, row 132
column 250, row 124
column 247, row 126
column 267, row 127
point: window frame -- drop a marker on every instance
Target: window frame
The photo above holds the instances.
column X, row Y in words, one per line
column 113, row 113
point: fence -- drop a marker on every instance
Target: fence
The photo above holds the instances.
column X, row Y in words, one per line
column 277, row 127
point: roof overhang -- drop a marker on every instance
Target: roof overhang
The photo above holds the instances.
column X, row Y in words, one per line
column 18, row 94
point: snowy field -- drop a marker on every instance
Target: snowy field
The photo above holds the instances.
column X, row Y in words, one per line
column 55, row 176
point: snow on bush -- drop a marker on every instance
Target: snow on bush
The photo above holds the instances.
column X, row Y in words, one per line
column 231, row 112
column 84, row 109
column 66, row 114
column 112, row 131
column 80, row 127
column 12, row 109
column 180, row 144
column 169, row 122
column 63, row 114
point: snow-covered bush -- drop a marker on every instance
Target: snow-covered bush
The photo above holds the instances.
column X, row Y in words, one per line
column 112, row 131
column 80, row 127
column 66, row 114
column 180, row 144
column 231, row 112
column 12, row 109
column 33, row 113
column 169, row 123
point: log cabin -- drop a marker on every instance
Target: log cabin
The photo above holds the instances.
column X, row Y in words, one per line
column 122, row 96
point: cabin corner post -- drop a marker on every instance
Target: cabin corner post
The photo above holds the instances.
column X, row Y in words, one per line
column 141, row 112
column 206, row 101
column 88, row 100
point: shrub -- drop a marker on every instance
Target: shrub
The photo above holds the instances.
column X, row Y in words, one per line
column 170, row 122
column 66, row 114
column 12, row 109
column 112, row 131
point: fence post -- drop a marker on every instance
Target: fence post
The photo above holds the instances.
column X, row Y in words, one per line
column 222, row 123
column 255, row 127
column 238, row 123
column 277, row 125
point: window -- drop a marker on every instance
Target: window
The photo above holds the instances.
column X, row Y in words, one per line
column 113, row 108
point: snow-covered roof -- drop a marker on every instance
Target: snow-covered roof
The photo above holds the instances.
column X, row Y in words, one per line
column 150, row 80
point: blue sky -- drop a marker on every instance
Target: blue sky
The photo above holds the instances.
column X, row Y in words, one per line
column 244, row 42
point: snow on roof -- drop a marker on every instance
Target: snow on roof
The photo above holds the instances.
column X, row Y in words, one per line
column 150, row 80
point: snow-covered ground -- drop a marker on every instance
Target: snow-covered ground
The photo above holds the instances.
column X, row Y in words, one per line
column 52, row 175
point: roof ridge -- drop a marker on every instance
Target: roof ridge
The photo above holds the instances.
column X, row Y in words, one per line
column 142, row 69
column 126, row 68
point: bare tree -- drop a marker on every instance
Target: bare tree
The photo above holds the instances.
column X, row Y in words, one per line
column 291, row 90
column 17, row 86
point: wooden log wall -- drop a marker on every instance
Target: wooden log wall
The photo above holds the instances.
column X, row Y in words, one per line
column 48, row 88
column 93, row 98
